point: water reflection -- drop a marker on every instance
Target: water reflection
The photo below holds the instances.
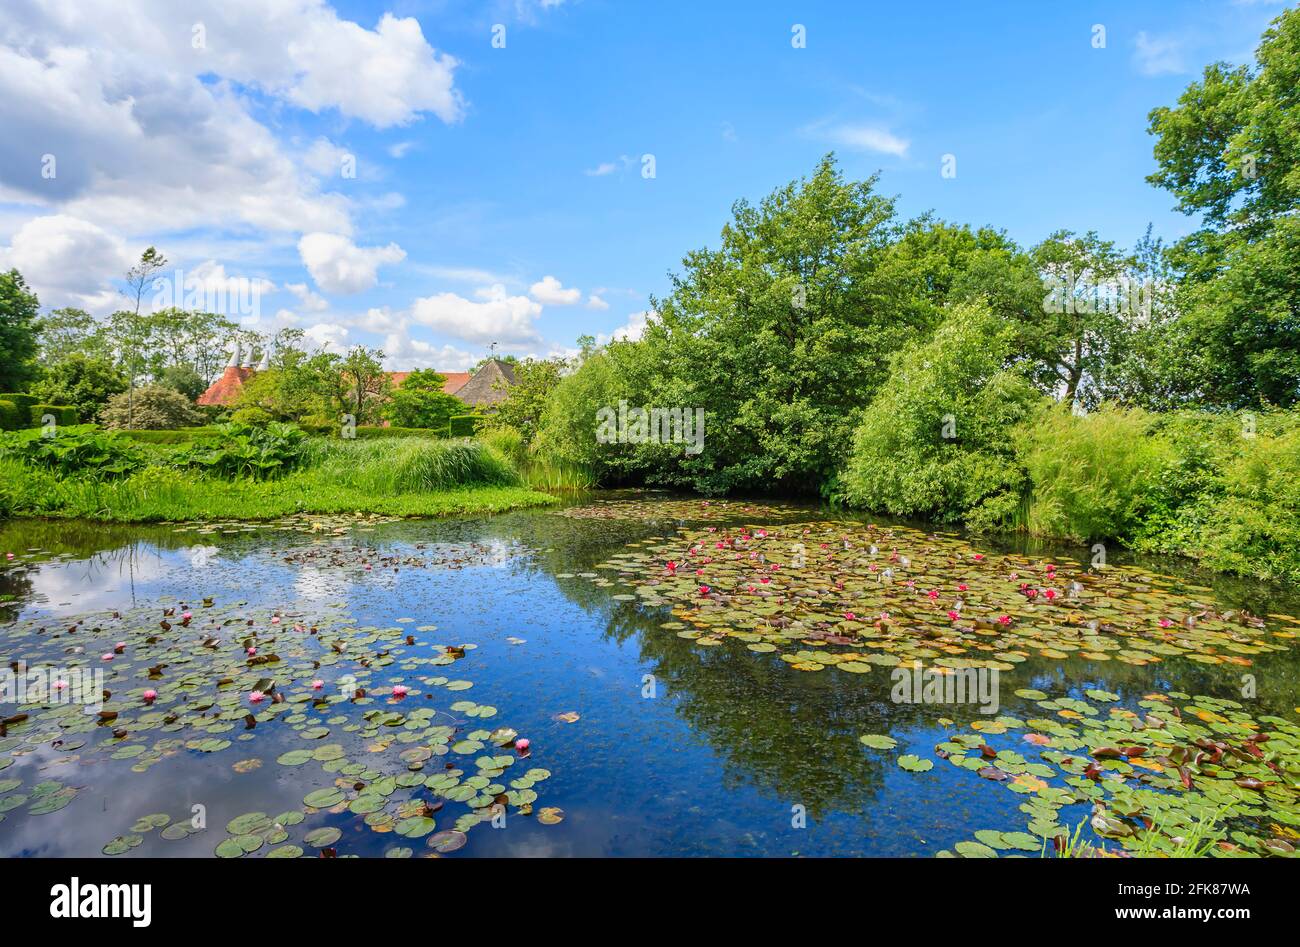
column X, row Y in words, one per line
column 678, row 749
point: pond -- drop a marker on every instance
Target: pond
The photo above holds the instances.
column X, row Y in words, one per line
column 632, row 675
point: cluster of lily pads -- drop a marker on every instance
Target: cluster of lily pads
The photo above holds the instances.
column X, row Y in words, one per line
column 337, row 555
column 649, row 509
column 313, row 523
column 387, row 751
column 852, row 596
column 1182, row 775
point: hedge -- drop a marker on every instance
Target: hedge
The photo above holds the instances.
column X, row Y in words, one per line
column 462, row 425
column 180, row 435
column 24, row 404
column 64, row 415
column 11, row 416
column 371, row 432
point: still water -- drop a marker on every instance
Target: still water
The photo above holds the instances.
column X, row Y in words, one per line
column 654, row 745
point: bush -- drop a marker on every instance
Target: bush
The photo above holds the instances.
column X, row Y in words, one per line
column 11, row 416
column 372, row 432
column 251, row 415
column 151, row 408
column 64, row 415
column 75, row 451
column 184, row 435
column 242, row 450
column 462, row 425
column 936, row 441
column 1093, row 476
column 24, row 404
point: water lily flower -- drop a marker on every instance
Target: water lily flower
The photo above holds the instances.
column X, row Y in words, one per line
column 9, row 555
column 523, row 744
column 765, row 580
column 256, row 697
column 400, row 690
column 753, row 588
column 671, row 565
column 150, row 696
column 60, row 685
column 704, row 590
column 761, row 534
column 186, row 616
column 933, row 593
column 317, row 685
column 119, row 648
column 962, row 587
column 978, row 557
column 849, row 616
column 1049, row 594
column 106, row 657
column 1004, row 619
column 367, row 567
column 251, row 651
column 884, row 616
column 1031, row 593
column 1165, row 623
column 275, row 619
column 953, row 615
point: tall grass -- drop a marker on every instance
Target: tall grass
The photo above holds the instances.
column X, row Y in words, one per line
column 540, row 471
column 409, row 465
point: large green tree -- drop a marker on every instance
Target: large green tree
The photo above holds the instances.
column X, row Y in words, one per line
column 19, row 324
column 1230, row 152
column 421, row 402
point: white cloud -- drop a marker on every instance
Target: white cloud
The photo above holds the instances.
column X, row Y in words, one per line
column 1158, row 56
column 631, row 331
column 68, row 262
column 869, row 138
column 403, row 353
column 550, row 291
column 602, row 169
column 307, row 299
column 500, row 317
column 595, row 302
column 329, row 336
column 340, row 266
column 400, row 149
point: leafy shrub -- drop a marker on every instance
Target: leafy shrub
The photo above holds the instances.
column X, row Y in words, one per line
column 184, row 435
column 936, row 441
column 243, row 450
column 63, row 414
column 1092, row 475
column 75, row 451
column 151, row 408
column 11, row 416
column 251, row 415
column 369, row 431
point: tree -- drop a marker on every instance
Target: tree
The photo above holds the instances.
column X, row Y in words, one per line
column 150, row 408
column 1230, row 152
column 535, row 380
column 68, row 330
column 421, row 402
column 353, row 384
column 19, row 308
column 85, row 382
column 183, row 378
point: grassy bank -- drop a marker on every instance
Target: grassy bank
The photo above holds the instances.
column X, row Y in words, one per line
column 399, row 476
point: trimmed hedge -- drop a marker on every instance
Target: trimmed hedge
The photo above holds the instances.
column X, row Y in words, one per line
column 64, row 415
column 11, row 416
column 462, row 425
column 180, row 435
column 372, row 432
column 24, row 404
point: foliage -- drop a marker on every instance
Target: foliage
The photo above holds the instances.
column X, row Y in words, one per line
column 420, row 402
column 462, row 425
column 75, row 451
column 150, row 408
column 936, row 440
column 535, row 380
column 19, row 309
column 84, row 381
column 1091, row 475
column 12, row 416
column 23, row 405
column 245, row 450
column 406, row 465
column 183, row 378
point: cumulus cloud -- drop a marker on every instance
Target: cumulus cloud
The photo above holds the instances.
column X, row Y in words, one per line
column 869, row 138
column 498, row 317
column 339, row 266
column 403, row 353
column 68, row 262
column 629, row 332
column 595, row 302
column 1158, row 56
column 548, row 290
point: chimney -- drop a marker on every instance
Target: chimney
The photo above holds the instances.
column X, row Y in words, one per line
column 265, row 362
column 234, row 356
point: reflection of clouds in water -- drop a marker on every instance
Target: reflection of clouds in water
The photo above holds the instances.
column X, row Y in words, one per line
column 97, row 582
column 317, row 584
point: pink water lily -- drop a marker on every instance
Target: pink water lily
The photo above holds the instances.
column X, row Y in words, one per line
column 400, row 690
column 962, row 587
column 150, row 696
column 1165, row 623
column 1004, row 619
column 317, row 685
column 1049, row 594
column 765, row 580
column 60, row 685
column 256, row 697
column 275, row 619
column 704, row 590
column 251, row 651
column 522, row 745
column 933, row 593
column 849, row 616
column 978, row 557
column 106, row 657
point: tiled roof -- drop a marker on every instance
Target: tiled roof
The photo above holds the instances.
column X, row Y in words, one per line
column 224, row 390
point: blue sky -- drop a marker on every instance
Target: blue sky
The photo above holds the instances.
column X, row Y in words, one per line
column 499, row 193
